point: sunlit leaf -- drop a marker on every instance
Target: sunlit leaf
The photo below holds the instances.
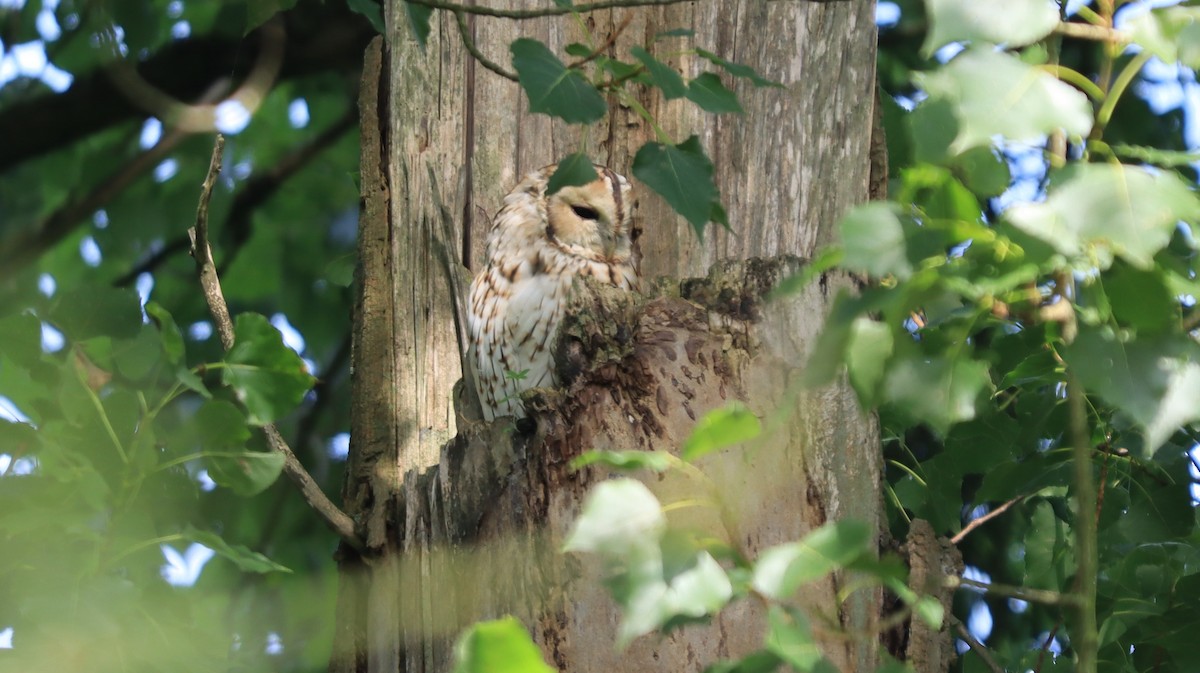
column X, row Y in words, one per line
column 617, row 515
column 267, row 376
column 781, row 570
column 1126, row 210
column 872, row 238
column 720, row 429
column 1170, row 33
column 683, row 175
column 995, row 94
column 498, row 646
column 552, row 88
column 1013, row 23
column 655, row 461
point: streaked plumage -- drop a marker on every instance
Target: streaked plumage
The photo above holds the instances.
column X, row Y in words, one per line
column 537, row 246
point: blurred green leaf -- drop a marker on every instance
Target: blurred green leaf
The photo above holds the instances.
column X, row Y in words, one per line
column 683, row 175
column 617, row 516
column 1015, row 23
column 250, row 561
column 259, row 12
column 937, row 390
column 1127, row 211
column 867, row 353
column 267, row 376
column 498, row 646
column 86, row 312
column 374, row 14
column 552, row 88
column 172, row 339
column 781, row 570
column 1170, row 33
column 994, row 94
column 135, row 358
column 790, row 637
column 720, row 429
column 576, row 169
column 655, row 461
column 872, row 238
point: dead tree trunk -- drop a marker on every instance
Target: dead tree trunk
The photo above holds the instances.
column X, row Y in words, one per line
column 467, row 526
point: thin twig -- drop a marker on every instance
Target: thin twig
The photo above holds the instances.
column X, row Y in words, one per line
column 984, row 519
column 1040, row 596
column 210, row 283
column 612, row 39
column 469, row 43
column 977, row 647
column 1046, row 647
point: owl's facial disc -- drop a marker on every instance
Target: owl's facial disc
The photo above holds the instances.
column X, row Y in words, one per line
column 592, row 216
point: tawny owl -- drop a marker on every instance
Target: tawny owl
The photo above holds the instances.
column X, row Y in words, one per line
column 537, row 246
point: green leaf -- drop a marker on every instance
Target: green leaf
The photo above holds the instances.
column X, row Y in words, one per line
column 576, row 169
column 983, row 171
column 781, row 570
column 936, row 390
column 1141, row 299
column 1013, row 23
column 872, row 238
column 578, row 50
column 246, row 473
column 995, row 94
column 655, row 461
column 267, row 376
column 683, row 175
column 552, row 88
column 1143, row 378
column 498, row 646
column 250, row 561
column 374, row 14
column 738, row 70
column 90, row 311
column 172, row 339
column 825, row 260
column 259, row 12
column 664, row 76
column 930, row 611
column 418, row 22
column 222, row 432
column 867, row 352
column 135, row 358
column 720, row 429
column 1109, row 209
column 21, row 339
column 1170, row 33
column 618, row 516
column 762, row 661
column 790, row 637
column 709, row 93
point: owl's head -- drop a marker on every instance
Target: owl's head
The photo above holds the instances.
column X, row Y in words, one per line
column 594, row 218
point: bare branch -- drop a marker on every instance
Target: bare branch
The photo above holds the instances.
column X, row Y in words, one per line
column 984, row 519
column 335, row 518
column 469, row 43
column 1040, row 596
column 1087, row 31
column 977, row 647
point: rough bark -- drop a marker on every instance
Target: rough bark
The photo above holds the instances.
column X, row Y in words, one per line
column 473, row 528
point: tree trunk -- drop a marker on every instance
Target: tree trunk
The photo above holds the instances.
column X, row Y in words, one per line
column 467, row 526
